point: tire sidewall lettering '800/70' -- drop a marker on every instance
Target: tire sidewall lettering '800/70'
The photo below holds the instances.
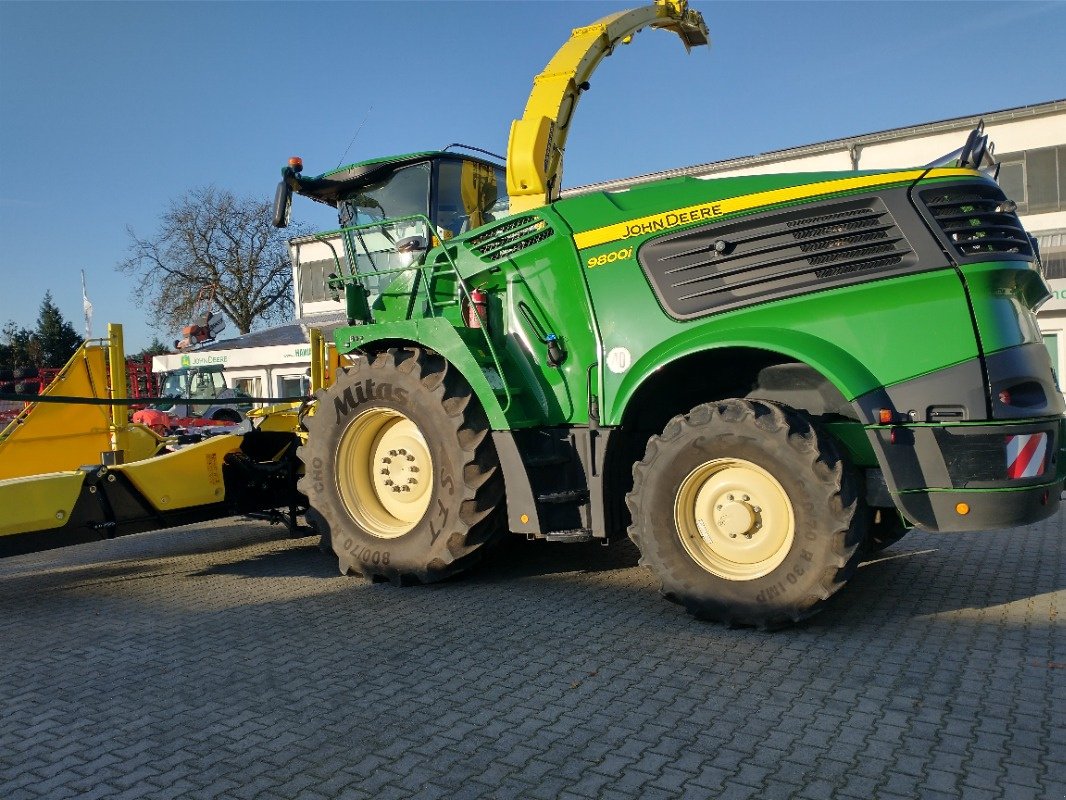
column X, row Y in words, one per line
column 366, row 555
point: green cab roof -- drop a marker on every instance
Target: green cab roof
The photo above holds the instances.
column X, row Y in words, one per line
column 330, row 187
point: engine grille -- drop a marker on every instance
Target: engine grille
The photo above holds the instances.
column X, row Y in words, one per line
column 977, row 220
column 768, row 256
column 508, row 238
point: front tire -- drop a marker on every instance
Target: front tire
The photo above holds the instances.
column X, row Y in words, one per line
column 399, row 463
column 747, row 513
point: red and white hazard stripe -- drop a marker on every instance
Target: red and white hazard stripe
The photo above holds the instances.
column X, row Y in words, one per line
column 1025, row 455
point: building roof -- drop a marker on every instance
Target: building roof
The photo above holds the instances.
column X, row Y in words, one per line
column 295, row 332
column 892, row 134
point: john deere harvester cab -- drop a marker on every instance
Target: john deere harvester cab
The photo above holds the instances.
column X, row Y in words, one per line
column 392, row 210
column 761, row 378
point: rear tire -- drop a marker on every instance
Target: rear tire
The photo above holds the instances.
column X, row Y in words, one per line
column 400, row 465
column 747, row 513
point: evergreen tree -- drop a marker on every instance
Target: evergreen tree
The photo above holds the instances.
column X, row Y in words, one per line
column 16, row 349
column 56, row 337
column 156, row 348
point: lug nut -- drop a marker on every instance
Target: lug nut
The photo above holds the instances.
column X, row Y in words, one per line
column 393, row 453
column 410, row 458
column 386, row 460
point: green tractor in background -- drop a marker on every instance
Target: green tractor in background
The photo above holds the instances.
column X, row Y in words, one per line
column 761, row 378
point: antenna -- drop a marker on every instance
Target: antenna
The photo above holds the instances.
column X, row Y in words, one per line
column 366, row 116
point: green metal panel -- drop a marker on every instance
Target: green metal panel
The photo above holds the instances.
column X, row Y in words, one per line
column 859, row 337
column 1003, row 294
column 464, row 351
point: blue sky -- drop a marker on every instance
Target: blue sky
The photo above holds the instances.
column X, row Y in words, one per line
column 110, row 110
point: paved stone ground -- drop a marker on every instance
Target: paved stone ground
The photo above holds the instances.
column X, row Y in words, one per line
column 227, row 661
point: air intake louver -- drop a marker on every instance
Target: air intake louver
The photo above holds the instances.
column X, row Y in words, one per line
column 508, row 238
column 977, row 220
column 761, row 258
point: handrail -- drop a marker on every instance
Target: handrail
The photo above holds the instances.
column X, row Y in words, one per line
column 423, row 267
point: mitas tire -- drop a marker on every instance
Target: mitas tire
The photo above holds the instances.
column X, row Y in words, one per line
column 747, row 513
column 403, row 418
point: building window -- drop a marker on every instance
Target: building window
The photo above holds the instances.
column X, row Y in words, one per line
column 293, row 386
column 1012, row 180
column 1052, row 246
column 248, row 386
column 1035, row 179
column 313, row 275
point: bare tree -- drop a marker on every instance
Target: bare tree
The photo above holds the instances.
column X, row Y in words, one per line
column 211, row 237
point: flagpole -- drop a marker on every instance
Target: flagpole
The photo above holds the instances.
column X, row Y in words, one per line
column 87, row 308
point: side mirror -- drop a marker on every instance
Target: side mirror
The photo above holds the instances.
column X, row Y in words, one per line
column 411, row 249
column 282, row 205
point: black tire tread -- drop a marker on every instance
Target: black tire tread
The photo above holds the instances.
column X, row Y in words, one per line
column 480, row 477
column 835, row 492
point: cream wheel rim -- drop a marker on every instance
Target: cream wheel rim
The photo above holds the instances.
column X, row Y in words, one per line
column 734, row 519
column 384, row 472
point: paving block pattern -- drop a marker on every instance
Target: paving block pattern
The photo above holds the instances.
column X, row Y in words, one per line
column 225, row 660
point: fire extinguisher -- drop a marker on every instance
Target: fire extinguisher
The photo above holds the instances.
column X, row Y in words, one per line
column 477, row 308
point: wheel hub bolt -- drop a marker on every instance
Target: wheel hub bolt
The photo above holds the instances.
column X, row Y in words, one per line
column 410, row 458
column 386, row 460
column 403, row 453
column 412, row 481
column 393, row 453
column 388, row 482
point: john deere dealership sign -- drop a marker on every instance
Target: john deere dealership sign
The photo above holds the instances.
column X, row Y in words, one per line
column 272, row 356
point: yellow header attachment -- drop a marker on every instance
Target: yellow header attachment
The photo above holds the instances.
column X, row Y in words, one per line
column 537, row 141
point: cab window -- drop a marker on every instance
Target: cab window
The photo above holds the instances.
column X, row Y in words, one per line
column 469, row 194
column 403, row 193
